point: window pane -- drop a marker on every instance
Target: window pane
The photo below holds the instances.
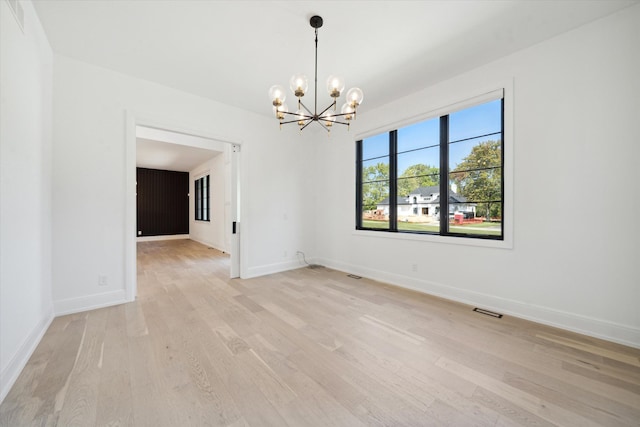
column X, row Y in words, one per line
column 197, row 198
column 475, row 153
column 418, row 176
column 375, row 205
column 206, row 202
column 420, row 211
column 376, row 146
column 418, row 169
column 420, row 135
column 374, row 192
column 482, row 119
column 375, row 170
column 475, row 165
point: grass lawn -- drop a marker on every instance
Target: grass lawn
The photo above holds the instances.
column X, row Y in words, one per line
column 485, row 228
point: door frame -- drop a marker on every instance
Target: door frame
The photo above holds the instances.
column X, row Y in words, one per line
column 134, row 119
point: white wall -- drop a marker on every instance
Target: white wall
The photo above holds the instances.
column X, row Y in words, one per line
column 213, row 233
column 25, row 190
column 90, row 110
column 576, row 110
column 281, row 199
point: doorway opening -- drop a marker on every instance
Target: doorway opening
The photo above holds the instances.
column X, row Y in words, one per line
column 159, row 145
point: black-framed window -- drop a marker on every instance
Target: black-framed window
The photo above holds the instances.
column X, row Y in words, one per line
column 401, row 175
column 202, row 198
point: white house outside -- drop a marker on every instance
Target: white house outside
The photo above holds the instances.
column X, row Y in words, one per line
column 423, row 205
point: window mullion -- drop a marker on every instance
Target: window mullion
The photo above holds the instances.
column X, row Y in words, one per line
column 502, row 146
column 359, row 184
column 393, row 188
column 444, row 174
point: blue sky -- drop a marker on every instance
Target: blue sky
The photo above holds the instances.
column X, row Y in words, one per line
column 479, row 120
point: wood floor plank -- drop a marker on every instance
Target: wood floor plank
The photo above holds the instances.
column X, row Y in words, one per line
column 364, row 389
column 115, row 407
column 511, row 413
column 251, row 402
column 150, row 399
column 536, row 405
column 310, row 347
column 420, row 389
column 78, row 400
column 633, row 360
column 317, row 408
column 590, row 411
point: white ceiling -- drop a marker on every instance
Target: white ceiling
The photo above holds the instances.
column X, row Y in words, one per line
column 233, row 51
column 166, row 156
column 161, row 149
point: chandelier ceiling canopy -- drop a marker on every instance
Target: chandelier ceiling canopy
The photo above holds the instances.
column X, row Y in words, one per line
column 299, row 83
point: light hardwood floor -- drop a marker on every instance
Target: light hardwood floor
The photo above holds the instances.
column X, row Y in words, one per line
column 310, row 347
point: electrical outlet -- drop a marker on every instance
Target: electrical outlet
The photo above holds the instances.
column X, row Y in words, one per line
column 414, row 267
column 102, row 280
column 285, row 254
column 139, row 232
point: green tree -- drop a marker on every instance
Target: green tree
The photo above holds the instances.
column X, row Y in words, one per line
column 375, row 185
column 479, row 177
column 419, row 175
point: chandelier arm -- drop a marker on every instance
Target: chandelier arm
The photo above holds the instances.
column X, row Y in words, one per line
column 328, row 108
column 304, row 116
column 323, row 125
column 343, row 114
column 305, row 107
column 306, row 124
column 293, row 121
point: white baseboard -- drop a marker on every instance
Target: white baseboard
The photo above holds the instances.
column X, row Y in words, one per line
column 10, row 374
column 209, row 244
column 279, row 267
column 89, row 302
column 593, row 327
column 156, row 238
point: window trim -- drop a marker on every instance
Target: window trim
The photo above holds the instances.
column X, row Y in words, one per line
column 502, row 89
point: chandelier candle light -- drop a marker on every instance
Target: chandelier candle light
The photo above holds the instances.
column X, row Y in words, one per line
column 299, row 85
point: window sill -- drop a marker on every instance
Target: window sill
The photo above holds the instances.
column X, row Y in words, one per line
column 431, row 238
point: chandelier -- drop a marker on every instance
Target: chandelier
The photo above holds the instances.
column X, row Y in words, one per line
column 299, row 85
